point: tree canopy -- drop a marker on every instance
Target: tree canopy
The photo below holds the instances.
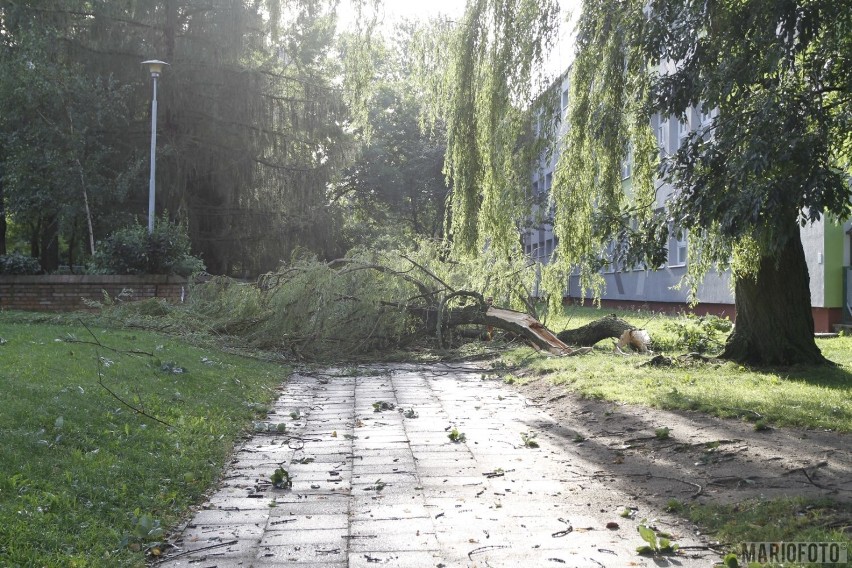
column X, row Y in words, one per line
column 491, row 79
column 772, row 77
column 395, row 188
column 252, row 125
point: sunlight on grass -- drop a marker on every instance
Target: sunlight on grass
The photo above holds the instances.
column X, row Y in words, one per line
column 80, row 471
column 811, row 397
column 780, row 520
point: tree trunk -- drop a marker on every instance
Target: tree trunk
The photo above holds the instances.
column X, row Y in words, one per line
column 775, row 325
column 589, row 334
column 521, row 324
column 2, row 220
column 35, row 235
column 49, row 246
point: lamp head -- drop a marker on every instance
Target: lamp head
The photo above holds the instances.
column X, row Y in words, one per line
column 155, row 66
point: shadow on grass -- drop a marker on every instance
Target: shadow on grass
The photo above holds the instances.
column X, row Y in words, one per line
column 832, row 377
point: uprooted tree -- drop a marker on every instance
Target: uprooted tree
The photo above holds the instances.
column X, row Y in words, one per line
column 372, row 301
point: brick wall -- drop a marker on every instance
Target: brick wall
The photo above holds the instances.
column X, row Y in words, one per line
column 63, row 293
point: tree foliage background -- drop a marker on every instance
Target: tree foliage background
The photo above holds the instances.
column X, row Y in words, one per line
column 253, row 125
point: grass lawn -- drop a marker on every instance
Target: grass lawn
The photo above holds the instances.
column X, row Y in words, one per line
column 807, row 397
column 779, row 520
column 85, row 480
column 804, row 397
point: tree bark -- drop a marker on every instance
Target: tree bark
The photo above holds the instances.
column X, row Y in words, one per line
column 593, row 332
column 2, row 220
column 775, row 325
column 49, row 246
column 521, row 324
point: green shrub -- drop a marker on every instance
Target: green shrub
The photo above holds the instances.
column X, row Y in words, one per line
column 133, row 251
column 698, row 333
column 17, row 263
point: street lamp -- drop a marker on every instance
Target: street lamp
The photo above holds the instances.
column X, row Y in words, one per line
column 155, row 67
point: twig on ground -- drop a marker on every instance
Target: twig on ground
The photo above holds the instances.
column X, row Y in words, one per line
column 482, row 549
column 193, row 551
column 110, row 391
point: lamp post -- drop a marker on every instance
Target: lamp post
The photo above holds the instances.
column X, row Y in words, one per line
column 155, row 67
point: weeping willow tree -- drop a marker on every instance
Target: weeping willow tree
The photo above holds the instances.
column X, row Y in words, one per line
column 610, row 87
column 490, row 80
column 365, row 302
column 773, row 158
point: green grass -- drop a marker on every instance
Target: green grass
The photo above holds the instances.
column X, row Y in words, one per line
column 781, row 520
column 809, row 397
column 78, row 469
column 806, row 397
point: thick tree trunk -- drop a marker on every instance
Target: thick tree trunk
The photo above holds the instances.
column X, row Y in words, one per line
column 775, row 325
column 593, row 332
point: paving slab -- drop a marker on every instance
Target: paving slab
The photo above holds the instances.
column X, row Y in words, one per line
column 390, row 488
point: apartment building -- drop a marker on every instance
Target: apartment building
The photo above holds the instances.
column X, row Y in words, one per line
column 828, row 245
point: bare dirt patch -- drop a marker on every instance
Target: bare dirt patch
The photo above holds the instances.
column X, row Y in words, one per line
column 659, row 455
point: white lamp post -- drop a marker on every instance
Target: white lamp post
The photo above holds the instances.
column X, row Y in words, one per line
column 155, row 67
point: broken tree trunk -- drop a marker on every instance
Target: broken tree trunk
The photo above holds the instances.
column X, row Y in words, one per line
column 593, row 332
column 521, row 324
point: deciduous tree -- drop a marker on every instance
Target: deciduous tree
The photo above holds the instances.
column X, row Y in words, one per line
column 774, row 158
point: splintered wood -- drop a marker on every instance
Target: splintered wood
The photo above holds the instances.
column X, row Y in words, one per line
column 531, row 329
column 637, row 339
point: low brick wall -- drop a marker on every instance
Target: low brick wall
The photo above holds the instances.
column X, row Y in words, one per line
column 64, row 293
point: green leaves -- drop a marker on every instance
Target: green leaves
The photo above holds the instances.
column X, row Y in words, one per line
column 132, row 250
column 499, row 46
column 381, row 406
column 281, row 479
column 529, row 440
column 456, row 436
column 648, row 535
column 658, row 543
column 146, row 530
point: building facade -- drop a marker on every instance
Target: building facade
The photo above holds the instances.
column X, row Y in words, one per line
column 827, row 244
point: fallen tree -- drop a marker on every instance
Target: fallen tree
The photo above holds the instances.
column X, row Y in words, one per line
column 371, row 302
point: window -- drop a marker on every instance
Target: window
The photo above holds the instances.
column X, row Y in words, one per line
column 535, row 188
column 663, row 136
column 683, row 126
column 565, row 100
column 546, row 250
column 706, row 114
column 608, row 253
column 548, row 182
column 678, row 247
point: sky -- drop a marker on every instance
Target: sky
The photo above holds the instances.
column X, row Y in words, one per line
column 454, row 9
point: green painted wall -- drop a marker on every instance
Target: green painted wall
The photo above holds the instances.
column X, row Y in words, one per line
column 833, row 247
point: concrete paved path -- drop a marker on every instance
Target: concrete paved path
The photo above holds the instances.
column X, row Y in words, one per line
column 388, row 487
